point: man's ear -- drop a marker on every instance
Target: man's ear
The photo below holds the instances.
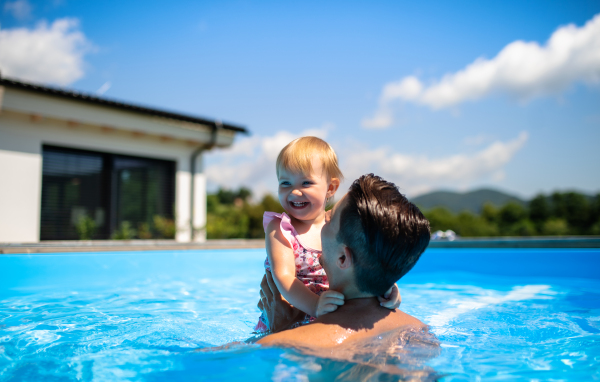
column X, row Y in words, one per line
column 334, row 184
column 346, row 259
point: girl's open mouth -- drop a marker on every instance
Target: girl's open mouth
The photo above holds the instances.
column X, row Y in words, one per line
column 298, row 205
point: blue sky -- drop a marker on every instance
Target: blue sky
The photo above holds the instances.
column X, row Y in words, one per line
column 431, row 95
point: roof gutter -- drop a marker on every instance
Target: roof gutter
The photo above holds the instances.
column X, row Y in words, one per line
column 207, row 146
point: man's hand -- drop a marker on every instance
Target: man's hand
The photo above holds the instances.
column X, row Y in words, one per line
column 391, row 299
column 328, row 302
column 279, row 313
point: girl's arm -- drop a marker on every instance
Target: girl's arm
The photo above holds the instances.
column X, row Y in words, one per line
column 283, row 268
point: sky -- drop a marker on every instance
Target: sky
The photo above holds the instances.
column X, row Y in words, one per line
column 431, row 95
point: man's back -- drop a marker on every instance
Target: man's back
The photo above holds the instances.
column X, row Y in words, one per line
column 357, row 319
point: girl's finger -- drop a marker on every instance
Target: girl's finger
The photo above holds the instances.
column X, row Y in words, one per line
column 336, row 301
column 332, row 293
column 394, row 292
column 329, row 308
column 388, row 294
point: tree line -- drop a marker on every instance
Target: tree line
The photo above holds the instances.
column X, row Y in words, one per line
column 232, row 214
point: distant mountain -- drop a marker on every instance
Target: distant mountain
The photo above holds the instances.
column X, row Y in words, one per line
column 471, row 201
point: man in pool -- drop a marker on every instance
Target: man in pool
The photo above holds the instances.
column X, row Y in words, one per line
column 372, row 237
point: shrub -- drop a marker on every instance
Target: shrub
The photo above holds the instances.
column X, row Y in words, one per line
column 86, row 228
column 165, row 228
column 124, row 232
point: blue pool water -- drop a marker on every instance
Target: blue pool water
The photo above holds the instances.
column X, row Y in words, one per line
column 499, row 314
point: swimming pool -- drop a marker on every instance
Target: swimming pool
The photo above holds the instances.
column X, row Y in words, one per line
column 499, row 314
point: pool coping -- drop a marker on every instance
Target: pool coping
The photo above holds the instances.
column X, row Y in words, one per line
column 163, row 245
column 125, row 245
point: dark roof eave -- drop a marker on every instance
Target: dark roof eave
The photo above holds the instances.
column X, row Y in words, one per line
column 119, row 105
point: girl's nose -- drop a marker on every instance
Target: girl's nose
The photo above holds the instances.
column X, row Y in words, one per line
column 297, row 192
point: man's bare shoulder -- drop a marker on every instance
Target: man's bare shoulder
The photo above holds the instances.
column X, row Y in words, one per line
column 399, row 318
column 335, row 328
column 315, row 334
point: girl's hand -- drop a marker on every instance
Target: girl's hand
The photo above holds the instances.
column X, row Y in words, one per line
column 391, row 299
column 328, row 302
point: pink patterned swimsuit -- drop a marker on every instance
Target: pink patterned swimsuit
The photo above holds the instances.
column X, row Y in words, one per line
column 308, row 267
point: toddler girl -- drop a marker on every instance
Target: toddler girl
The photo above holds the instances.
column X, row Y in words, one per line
column 309, row 176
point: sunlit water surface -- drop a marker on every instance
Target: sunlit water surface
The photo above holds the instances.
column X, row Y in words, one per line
column 497, row 314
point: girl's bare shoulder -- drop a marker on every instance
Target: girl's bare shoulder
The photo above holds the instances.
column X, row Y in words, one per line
column 274, row 236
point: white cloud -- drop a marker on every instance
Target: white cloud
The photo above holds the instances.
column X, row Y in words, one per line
column 251, row 161
column 19, row 9
column 46, row 54
column 522, row 70
column 417, row 174
column 104, row 88
column 477, row 140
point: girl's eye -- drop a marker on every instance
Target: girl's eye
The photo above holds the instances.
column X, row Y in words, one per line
column 284, row 183
column 307, row 183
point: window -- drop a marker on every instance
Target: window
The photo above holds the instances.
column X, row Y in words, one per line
column 88, row 194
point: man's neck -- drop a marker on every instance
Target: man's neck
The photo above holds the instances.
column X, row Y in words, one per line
column 350, row 292
column 356, row 314
column 359, row 303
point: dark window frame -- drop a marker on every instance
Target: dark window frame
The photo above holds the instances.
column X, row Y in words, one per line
column 109, row 193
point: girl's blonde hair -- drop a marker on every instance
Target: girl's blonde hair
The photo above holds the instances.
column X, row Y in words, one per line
column 299, row 153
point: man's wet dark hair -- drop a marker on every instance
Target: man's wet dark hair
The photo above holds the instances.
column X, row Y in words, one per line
column 384, row 231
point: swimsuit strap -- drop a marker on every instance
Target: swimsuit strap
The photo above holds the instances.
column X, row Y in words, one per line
column 287, row 229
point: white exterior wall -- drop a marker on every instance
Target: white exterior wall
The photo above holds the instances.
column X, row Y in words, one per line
column 20, row 186
column 22, row 136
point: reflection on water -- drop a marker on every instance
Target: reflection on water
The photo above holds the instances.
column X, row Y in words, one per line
column 399, row 354
column 152, row 331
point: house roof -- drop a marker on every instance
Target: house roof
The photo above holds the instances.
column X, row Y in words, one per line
column 83, row 97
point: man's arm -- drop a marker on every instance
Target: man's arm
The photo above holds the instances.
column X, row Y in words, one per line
column 279, row 313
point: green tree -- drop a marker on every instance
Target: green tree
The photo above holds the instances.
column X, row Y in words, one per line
column 226, row 196
column 490, row 213
column 509, row 216
column 577, row 212
column 521, row 228
column 555, row 227
column 473, row 225
column 244, row 193
column 229, row 223
column 539, row 210
column 269, row 203
column 558, row 210
column 212, row 203
column 441, row 219
column 231, row 214
column 595, row 216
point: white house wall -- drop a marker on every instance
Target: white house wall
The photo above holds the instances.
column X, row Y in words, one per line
column 20, row 186
column 21, row 140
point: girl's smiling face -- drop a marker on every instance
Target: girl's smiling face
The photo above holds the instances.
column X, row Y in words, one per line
column 304, row 195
